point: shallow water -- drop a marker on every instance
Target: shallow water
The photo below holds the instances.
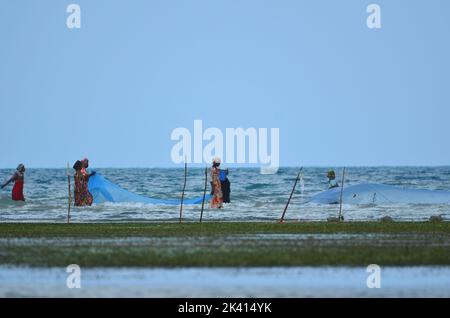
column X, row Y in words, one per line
column 226, row 282
column 254, row 196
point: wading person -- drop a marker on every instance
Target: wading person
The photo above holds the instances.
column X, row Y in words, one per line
column 216, row 187
column 19, row 180
column 332, row 183
column 225, row 185
column 81, row 192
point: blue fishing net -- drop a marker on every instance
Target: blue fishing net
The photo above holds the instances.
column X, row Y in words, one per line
column 104, row 190
column 372, row 193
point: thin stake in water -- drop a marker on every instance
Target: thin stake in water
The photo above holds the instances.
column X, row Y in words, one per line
column 70, row 192
column 184, row 188
column 340, row 218
column 290, row 197
column 204, row 194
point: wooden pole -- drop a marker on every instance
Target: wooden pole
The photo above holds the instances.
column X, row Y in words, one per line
column 70, row 193
column 184, row 188
column 204, row 194
column 342, row 192
column 290, row 197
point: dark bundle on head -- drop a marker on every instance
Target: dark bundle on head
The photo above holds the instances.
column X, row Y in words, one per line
column 331, row 174
column 78, row 165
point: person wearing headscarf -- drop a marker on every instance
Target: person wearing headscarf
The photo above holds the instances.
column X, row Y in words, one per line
column 216, row 191
column 332, row 183
column 81, row 191
column 85, row 165
column 19, row 181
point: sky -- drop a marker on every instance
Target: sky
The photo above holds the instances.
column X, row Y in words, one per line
column 113, row 90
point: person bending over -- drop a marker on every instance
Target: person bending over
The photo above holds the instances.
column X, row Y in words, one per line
column 19, row 180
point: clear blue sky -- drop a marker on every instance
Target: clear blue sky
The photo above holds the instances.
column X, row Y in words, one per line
column 114, row 90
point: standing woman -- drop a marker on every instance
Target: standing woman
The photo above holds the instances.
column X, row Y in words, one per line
column 81, row 192
column 216, row 191
column 19, row 180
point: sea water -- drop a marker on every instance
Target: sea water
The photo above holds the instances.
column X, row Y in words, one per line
column 254, row 196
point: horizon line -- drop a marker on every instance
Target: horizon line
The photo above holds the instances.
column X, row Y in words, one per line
column 199, row 166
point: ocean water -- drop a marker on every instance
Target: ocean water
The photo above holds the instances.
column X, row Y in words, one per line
column 254, row 196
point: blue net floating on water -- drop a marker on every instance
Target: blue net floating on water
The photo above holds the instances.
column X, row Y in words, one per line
column 372, row 193
column 104, row 190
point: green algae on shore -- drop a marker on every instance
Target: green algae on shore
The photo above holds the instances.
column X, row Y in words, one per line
column 225, row 244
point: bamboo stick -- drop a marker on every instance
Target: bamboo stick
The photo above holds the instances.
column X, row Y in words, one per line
column 70, row 193
column 184, row 188
column 204, row 194
column 342, row 192
column 290, row 197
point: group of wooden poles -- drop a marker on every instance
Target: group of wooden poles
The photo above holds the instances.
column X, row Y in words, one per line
column 184, row 188
column 340, row 218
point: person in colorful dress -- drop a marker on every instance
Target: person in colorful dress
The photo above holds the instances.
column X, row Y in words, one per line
column 216, row 191
column 19, row 180
column 81, row 192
